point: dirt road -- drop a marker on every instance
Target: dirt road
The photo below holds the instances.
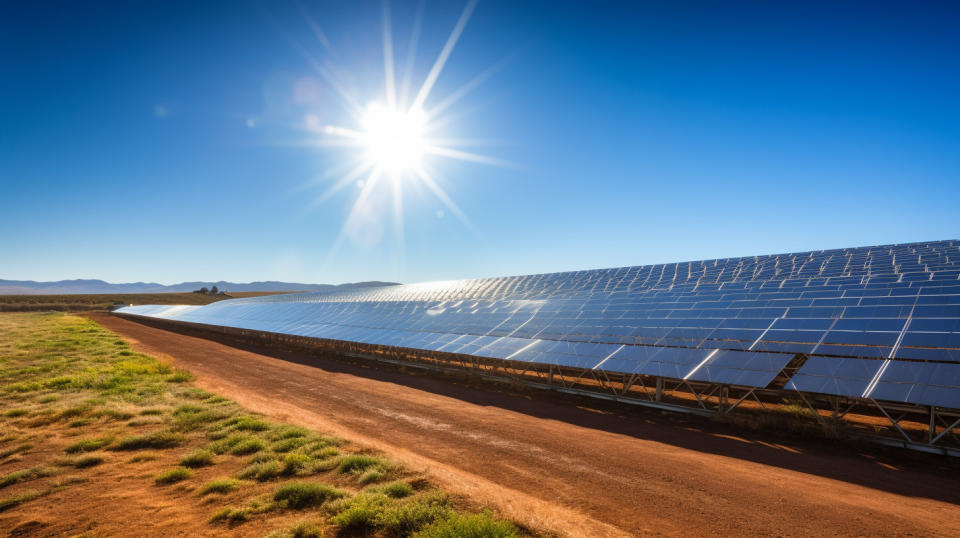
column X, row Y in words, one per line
column 582, row 469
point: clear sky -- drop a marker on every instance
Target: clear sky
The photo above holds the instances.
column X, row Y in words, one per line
column 186, row 141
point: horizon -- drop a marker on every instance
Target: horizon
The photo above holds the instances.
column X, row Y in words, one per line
column 391, row 283
column 161, row 142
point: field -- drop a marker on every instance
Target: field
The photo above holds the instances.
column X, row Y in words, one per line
column 97, row 438
column 79, row 303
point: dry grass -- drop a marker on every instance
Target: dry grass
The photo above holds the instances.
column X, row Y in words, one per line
column 77, row 400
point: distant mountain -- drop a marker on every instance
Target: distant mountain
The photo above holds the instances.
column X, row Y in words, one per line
column 30, row 287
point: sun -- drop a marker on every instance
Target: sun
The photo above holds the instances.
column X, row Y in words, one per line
column 394, row 139
column 398, row 139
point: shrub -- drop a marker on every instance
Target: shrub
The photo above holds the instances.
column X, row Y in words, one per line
column 162, row 439
column 357, row 462
column 469, row 526
column 262, row 472
column 146, row 456
column 197, row 458
column 154, row 411
column 248, row 446
column 299, row 495
column 218, row 486
column 89, row 445
column 14, row 413
column 224, row 445
column 173, row 475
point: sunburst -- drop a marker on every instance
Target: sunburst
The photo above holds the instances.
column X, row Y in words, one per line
column 391, row 142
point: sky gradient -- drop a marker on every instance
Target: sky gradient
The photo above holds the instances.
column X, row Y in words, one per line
column 170, row 141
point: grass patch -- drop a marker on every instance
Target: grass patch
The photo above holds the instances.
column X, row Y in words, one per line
column 173, row 476
column 261, row 472
column 25, row 475
column 219, row 487
column 180, row 376
column 371, row 476
column 286, row 445
column 357, row 462
column 301, row 529
column 6, row 453
column 162, row 439
column 89, row 445
column 17, row 500
column 86, row 377
column 248, row 446
column 248, row 424
column 397, row 489
column 231, row 515
column 85, row 461
column 300, row 495
column 197, row 458
column 481, row 525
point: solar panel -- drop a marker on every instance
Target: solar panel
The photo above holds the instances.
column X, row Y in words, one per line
column 736, row 321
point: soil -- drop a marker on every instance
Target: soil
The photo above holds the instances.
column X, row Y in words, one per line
column 577, row 466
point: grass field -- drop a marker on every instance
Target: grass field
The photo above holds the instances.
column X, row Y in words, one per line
column 97, row 438
column 78, row 303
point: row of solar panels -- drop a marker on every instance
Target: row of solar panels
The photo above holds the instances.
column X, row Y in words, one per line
column 901, row 381
column 880, row 322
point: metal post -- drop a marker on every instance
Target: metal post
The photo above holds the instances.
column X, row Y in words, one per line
column 659, row 394
column 933, row 424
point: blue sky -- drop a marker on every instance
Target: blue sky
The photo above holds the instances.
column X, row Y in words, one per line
column 171, row 141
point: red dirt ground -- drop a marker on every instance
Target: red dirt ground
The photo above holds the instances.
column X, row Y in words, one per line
column 577, row 466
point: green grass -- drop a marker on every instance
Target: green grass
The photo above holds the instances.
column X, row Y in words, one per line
column 358, row 462
column 250, row 424
column 231, row 515
column 301, row 529
column 89, row 445
column 300, row 495
column 85, row 461
column 17, row 500
column 197, row 458
column 397, row 489
column 247, row 447
column 173, row 476
column 481, row 525
column 68, row 385
column 218, row 486
column 262, row 472
column 286, row 445
column 25, row 475
column 162, row 439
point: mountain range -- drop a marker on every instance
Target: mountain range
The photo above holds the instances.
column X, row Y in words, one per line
column 30, row 287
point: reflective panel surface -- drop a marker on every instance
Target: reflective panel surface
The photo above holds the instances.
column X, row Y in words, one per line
column 859, row 320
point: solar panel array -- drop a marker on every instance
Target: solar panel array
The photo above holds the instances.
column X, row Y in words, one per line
column 878, row 322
